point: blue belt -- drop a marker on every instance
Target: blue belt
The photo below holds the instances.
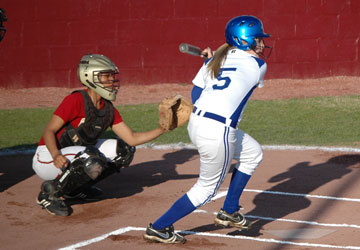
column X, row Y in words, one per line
column 215, row 117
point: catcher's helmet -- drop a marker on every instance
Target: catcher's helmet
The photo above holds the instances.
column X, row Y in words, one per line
column 91, row 65
column 245, row 28
column 3, row 18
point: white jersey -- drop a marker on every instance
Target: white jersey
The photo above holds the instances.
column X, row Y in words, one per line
column 228, row 94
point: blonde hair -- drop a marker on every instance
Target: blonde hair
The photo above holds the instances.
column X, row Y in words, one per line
column 218, row 59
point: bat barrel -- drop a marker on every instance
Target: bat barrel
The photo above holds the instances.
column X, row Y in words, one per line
column 190, row 49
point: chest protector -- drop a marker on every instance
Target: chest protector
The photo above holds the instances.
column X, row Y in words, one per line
column 96, row 123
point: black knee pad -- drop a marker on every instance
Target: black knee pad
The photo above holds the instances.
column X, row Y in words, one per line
column 85, row 167
column 125, row 154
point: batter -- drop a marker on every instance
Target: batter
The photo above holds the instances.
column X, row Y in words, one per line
column 222, row 88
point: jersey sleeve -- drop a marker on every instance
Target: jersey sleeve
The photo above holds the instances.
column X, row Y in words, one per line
column 70, row 107
column 195, row 93
column 199, row 79
column 117, row 117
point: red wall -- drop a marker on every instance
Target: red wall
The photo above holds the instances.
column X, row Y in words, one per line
column 46, row 39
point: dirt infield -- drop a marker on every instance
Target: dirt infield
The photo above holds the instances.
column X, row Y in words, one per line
column 298, row 199
column 318, row 216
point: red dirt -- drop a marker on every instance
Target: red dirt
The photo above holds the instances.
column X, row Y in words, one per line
column 132, row 94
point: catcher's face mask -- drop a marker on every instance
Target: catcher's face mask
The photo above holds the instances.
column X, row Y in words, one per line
column 99, row 73
column 108, row 81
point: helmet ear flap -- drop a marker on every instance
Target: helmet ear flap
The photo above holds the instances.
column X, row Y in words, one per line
column 253, row 45
column 245, row 44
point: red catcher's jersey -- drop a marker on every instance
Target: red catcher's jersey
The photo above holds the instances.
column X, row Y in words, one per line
column 72, row 110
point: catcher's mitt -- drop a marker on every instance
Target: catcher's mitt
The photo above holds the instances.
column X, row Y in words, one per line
column 174, row 111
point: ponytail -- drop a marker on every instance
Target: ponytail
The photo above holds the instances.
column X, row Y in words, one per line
column 218, row 59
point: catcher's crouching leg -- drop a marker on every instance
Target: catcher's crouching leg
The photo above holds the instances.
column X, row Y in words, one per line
column 125, row 155
column 76, row 181
column 86, row 166
column 87, row 171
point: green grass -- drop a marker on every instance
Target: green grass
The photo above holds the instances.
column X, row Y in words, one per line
column 322, row 121
column 22, row 127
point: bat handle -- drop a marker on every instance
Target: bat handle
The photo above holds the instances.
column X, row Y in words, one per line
column 190, row 49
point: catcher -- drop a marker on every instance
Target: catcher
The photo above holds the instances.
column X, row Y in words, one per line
column 70, row 156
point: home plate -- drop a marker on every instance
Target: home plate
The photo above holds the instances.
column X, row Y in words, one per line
column 301, row 233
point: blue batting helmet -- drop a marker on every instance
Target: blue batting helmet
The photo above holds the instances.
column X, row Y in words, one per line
column 245, row 28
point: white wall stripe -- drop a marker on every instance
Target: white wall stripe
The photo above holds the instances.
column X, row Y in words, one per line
column 303, row 148
column 182, row 145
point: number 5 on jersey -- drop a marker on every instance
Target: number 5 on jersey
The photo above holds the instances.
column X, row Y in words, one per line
column 225, row 78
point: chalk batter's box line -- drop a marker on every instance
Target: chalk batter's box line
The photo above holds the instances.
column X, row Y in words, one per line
column 128, row 229
column 222, row 194
column 314, row 223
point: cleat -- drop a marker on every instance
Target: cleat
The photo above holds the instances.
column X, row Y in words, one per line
column 232, row 220
column 52, row 205
column 166, row 235
column 86, row 194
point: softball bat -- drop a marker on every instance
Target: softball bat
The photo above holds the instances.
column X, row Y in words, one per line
column 190, row 49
